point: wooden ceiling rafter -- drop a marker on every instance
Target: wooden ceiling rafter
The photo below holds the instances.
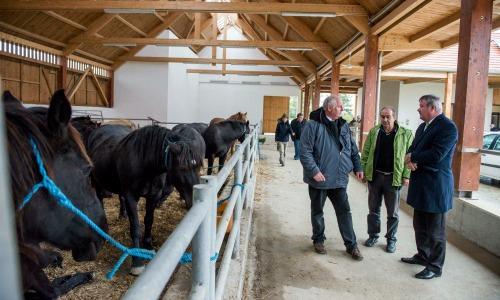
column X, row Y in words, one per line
column 130, row 25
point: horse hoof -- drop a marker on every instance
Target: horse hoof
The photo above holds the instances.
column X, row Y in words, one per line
column 136, row 271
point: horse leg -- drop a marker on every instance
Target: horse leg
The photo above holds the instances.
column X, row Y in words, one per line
column 222, row 160
column 123, row 210
column 210, row 164
column 147, row 240
column 135, row 232
column 67, row 283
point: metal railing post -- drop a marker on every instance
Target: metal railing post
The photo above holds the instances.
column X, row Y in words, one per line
column 212, row 182
column 237, row 208
column 201, row 253
column 10, row 278
column 246, row 174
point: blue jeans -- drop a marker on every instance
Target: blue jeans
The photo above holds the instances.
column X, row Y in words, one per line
column 296, row 145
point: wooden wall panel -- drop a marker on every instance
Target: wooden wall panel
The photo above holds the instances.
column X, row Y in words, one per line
column 274, row 107
column 35, row 83
column 496, row 96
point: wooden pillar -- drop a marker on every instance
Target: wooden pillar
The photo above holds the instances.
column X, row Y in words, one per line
column 335, row 81
column 111, row 88
column 471, row 90
column 307, row 100
column 448, row 91
column 317, row 92
column 370, row 80
column 63, row 73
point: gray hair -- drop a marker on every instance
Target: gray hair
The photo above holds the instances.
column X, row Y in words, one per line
column 391, row 108
column 432, row 101
column 329, row 101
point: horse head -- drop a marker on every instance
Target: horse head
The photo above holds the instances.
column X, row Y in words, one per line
column 68, row 165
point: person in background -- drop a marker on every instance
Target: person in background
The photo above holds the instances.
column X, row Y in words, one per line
column 328, row 155
column 297, row 125
column 282, row 136
column 383, row 164
column 431, row 185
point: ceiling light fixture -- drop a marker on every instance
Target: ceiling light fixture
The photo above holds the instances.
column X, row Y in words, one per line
column 119, row 45
column 293, row 49
column 306, row 14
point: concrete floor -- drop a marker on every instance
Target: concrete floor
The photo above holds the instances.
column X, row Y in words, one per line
column 285, row 266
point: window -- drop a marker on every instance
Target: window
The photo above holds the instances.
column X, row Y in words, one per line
column 488, row 139
column 497, row 145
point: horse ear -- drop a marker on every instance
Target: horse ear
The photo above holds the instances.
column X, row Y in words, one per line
column 8, row 98
column 59, row 112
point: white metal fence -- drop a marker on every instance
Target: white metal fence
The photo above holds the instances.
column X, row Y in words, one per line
column 199, row 229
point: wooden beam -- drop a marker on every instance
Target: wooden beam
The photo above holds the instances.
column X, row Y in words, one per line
column 448, row 91
column 252, row 34
column 130, row 25
column 78, row 83
column 47, row 81
column 436, row 27
column 318, row 26
column 397, row 15
column 169, row 21
column 99, row 89
column 65, row 20
column 317, row 92
column 92, row 29
column 396, row 42
column 307, row 100
column 202, row 42
column 215, row 31
column 238, row 72
column 187, row 6
column 31, row 34
column 370, row 86
column 276, row 36
column 335, row 80
column 420, row 80
column 62, row 75
column 197, row 25
column 471, row 91
column 250, row 62
column 360, row 23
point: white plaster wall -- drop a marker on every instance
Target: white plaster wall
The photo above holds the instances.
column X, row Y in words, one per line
column 408, row 101
column 389, row 94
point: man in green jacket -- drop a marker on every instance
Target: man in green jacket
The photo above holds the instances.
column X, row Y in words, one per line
column 383, row 164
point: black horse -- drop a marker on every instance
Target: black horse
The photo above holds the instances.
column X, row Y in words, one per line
column 219, row 138
column 146, row 163
column 200, row 127
column 42, row 219
column 85, row 127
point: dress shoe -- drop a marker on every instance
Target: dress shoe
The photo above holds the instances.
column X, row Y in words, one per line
column 426, row 274
column 319, row 248
column 355, row 253
column 413, row 261
column 371, row 241
column 391, row 246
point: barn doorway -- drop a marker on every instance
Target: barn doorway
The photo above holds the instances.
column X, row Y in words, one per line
column 274, row 107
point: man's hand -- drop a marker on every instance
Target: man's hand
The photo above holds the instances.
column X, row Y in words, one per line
column 406, row 181
column 360, row 175
column 408, row 158
column 411, row 166
column 319, row 177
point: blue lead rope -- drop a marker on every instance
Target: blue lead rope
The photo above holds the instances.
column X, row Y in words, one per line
column 242, row 186
column 62, row 200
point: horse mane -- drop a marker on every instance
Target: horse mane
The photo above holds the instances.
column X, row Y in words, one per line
column 21, row 125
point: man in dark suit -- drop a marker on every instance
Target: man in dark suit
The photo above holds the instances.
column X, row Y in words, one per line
column 431, row 185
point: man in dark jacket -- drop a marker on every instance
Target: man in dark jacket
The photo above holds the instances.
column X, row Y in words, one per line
column 282, row 136
column 297, row 125
column 328, row 155
column 431, row 185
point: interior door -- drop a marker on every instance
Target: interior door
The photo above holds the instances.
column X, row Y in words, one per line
column 274, row 107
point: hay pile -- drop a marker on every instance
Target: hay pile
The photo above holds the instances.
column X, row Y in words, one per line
column 166, row 219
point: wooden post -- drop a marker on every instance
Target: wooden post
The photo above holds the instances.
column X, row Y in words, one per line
column 317, row 92
column 63, row 73
column 471, row 90
column 370, row 79
column 307, row 100
column 448, row 91
column 111, row 88
column 335, row 81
